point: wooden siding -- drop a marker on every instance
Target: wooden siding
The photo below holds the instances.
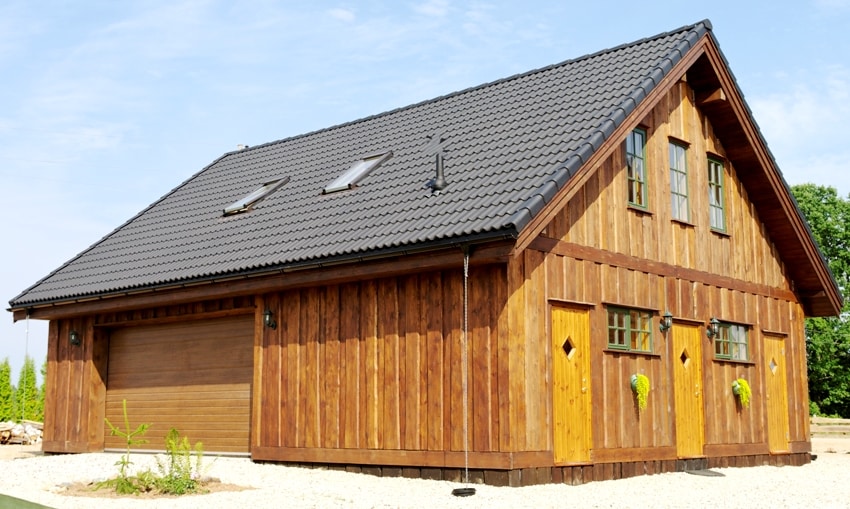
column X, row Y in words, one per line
column 599, row 251
column 596, row 216
column 75, row 388
column 376, row 365
column 75, row 399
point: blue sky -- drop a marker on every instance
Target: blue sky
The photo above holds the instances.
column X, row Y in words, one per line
column 106, row 105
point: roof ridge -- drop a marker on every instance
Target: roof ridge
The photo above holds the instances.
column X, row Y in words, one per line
column 705, row 22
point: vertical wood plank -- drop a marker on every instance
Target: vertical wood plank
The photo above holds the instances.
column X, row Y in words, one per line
column 329, row 319
column 292, row 403
column 267, row 380
column 452, row 323
column 436, row 360
column 372, row 425
column 389, row 358
column 517, row 440
column 351, row 365
column 410, row 416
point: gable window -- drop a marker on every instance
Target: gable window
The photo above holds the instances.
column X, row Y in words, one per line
column 357, row 172
column 679, row 182
column 636, row 167
column 245, row 204
column 716, row 204
column 629, row 329
column 731, row 342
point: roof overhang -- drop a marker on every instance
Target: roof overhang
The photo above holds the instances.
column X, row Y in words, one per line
column 482, row 250
column 722, row 102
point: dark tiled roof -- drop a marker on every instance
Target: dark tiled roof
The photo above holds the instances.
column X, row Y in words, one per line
column 510, row 145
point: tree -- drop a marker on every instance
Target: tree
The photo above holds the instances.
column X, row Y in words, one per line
column 7, row 397
column 27, row 392
column 828, row 339
column 42, row 390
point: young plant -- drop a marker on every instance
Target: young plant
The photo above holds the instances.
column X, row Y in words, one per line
column 179, row 473
column 126, row 484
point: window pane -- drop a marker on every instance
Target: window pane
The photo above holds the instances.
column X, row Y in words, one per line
column 635, row 154
column 678, row 182
column 715, row 195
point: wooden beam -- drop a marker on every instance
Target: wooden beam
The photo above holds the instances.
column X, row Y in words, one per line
column 596, row 255
column 717, row 95
column 628, row 454
column 400, row 457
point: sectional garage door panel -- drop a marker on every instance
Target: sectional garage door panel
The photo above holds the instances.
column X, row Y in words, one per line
column 193, row 376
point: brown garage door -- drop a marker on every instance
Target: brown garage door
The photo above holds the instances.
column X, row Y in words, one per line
column 193, row 376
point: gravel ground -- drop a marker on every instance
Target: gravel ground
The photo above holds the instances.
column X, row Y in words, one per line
column 823, row 483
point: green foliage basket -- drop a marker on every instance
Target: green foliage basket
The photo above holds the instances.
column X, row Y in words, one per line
column 741, row 388
column 640, row 386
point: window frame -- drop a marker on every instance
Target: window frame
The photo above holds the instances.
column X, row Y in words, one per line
column 636, row 179
column 357, row 172
column 679, row 197
column 255, row 196
column 716, row 190
column 732, row 344
column 628, row 331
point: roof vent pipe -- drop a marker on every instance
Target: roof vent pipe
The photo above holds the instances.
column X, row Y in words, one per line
column 439, row 182
column 435, row 147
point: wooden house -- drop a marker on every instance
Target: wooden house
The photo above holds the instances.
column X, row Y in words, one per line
column 471, row 280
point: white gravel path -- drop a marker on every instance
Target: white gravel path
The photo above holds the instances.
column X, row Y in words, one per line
column 824, row 483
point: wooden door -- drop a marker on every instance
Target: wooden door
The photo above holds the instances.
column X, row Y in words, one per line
column 571, row 385
column 776, row 388
column 688, row 384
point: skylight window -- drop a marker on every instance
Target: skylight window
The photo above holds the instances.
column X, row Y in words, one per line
column 255, row 196
column 356, row 173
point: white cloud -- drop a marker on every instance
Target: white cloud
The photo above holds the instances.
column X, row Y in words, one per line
column 342, row 14
column 437, row 8
column 805, row 125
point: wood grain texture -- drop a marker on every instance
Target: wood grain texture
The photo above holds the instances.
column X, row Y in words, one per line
column 195, row 377
column 381, row 363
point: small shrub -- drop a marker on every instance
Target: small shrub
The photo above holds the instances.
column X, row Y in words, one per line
column 126, row 484
column 180, row 472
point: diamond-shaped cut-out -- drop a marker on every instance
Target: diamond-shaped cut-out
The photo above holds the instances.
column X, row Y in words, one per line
column 684, row 357
column 773, row 365
column 568, row 346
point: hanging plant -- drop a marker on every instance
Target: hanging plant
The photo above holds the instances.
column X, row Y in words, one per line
column 741, row 388
column 640, row 386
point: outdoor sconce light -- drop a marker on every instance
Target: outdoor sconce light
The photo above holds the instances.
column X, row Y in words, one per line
column 713, row 328
column 666, row 321
column 74, row 338
column 268, row 319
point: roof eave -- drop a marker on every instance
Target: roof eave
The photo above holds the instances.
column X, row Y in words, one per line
column 474, row 242
column 767, row 189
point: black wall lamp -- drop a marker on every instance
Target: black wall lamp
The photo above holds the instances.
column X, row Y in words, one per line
column 268, row 319
column 666, row 321
column 74, row 338
column 713, row 329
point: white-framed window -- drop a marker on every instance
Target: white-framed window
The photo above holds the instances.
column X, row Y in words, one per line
column 679, row 182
